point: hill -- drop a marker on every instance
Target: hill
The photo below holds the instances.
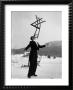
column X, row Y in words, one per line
column 53, row 48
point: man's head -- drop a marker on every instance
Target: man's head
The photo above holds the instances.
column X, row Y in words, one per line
column 32, row 38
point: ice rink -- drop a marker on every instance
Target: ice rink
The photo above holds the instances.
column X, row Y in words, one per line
column 48, row 68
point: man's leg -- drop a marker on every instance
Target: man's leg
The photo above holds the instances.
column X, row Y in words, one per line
column 35, row 67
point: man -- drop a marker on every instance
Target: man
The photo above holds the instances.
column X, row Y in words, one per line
column 33, row 56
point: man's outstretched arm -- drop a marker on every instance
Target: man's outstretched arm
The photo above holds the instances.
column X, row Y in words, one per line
column 27, row 47
column 41, row 46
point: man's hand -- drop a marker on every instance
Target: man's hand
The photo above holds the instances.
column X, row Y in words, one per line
column 24, row 51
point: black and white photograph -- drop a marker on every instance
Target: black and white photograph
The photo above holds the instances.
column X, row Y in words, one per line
column 36, row 45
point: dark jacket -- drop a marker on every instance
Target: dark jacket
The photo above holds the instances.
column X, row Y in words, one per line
column 34, row 46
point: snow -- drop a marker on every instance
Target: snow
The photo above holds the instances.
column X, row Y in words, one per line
column 48, row 67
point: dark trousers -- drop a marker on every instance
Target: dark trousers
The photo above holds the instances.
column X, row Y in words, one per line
column 32, row 65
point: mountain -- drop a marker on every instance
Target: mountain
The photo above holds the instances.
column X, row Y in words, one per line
column 53, row 48
column 17, row 51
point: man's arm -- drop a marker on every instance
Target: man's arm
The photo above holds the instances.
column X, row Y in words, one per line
column 27, row 47
column 41, row 46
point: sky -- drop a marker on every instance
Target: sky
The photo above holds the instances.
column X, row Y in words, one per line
column 21, row 30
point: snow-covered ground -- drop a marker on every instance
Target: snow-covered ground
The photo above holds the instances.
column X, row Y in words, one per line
column 48, row 67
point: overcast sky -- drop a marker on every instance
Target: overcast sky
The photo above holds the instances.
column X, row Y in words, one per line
column 22, row 30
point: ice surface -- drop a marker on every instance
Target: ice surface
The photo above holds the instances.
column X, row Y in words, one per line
column 49, row 68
